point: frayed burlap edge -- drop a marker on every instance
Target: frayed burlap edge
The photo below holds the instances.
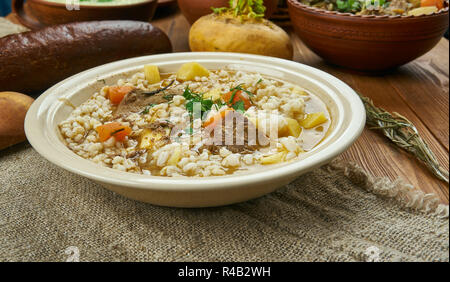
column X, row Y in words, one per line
column 7, row 27
column 403, row 193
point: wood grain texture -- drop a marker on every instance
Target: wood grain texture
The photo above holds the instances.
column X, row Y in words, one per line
column 418, row 90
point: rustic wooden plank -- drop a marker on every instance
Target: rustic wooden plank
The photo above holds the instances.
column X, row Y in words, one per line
column 424, row 86
column 177, row 28
column 385, row 160
column 374, row 153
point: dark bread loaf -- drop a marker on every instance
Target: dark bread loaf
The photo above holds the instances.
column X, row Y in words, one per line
column 33, row 61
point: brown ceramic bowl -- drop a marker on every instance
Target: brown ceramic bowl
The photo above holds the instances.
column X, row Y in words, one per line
column 195, row 9
column 41, row 13
column 367, row 43
column 166, row 3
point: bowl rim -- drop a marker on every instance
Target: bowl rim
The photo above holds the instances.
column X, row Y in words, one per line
column 95, row 7
column 336, row 14
column 41, row 110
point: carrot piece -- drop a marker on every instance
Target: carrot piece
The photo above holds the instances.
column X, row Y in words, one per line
column 115, row 129
column 427, row 3
column 216, row 118
column 117, row 93
column 239, row 95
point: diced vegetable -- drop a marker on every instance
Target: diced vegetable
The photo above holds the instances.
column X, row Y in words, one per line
column 213, row 94
column 116, row 129
column 422, row 11
column 191, row 70
column 439, row 4
column 313, row 120
column 150, row 138
column 117, row 93
column 152, row 74
column 235, row 96
column 175, row 158
column 216, row 118
column 291, row 129
column 274, row 159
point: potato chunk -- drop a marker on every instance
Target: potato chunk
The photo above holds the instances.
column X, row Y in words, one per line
column 175, row 158
column 422, row 11
column 214, row 94
column 152, row 139
column 292, row 128
column 191, row 70
column 313, row 120
column 273, row 159
column 152, row 74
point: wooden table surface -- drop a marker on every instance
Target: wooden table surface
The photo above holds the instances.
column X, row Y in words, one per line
column 418, row 91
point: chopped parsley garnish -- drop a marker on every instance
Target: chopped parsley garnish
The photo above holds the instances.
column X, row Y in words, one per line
column 192, row 98
column 236, row 96
column 147, row 109
column 239, row 87
column 234, row 91
column 168, row 97
column 219, row 104
column 239, row 106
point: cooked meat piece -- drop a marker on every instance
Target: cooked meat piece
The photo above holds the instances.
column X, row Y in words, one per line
column 160, row 125
column 137, row 100
column 135, row 154
column 155, row 135
column 236, row 133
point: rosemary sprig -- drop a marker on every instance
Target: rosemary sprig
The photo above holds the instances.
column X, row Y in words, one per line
column 404, row 134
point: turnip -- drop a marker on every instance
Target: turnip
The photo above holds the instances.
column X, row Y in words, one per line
column 240, row 28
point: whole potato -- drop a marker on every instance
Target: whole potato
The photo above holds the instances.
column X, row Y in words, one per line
column 14, row 107
column 225, row 33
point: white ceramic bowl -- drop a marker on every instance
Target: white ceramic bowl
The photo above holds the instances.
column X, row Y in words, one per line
column 41, row 126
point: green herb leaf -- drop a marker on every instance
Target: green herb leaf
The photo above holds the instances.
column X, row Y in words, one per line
column 239, row 87
column 147, row 109
column 239, row 106
column 168, row 97
column 348, row 6
column 192, row 98
column 404, row 134
column 219, row 10
column 232, row 95
column 117, row 131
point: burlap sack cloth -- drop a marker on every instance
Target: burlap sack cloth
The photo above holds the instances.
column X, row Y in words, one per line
column 336, row 213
